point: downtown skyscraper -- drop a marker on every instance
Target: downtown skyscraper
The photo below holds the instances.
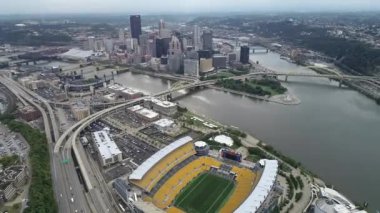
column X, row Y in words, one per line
column 135, row 25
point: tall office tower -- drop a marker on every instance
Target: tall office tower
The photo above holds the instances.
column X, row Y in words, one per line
column 159, row 47
column 197, row 38
column 135, row 23
column 108, row 44
column 161, row 26
column 91, row 43
column 162, row 31
column 121, row 35
column 144, row 45
column 244, row 54
column 174, row 55
column 207, row 40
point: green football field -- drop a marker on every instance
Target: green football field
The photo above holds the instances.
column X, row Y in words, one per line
column 205, row 194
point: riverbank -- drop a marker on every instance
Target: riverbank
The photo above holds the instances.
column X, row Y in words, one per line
column 295, row 181
column 284, row 99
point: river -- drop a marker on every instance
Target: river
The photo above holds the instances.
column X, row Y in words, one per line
column 334, row 132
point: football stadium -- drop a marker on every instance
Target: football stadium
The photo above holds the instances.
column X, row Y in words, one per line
column 184, row 178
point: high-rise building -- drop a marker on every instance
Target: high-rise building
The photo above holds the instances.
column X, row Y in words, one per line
column 161, row 25
column 91, row 43
column 174, row 63
column 162, row 31
column 174, row 46
column 244, row 54
column 158, row 47
column 219, row 61
column 144, row 44
column 121, row 35
column 197, row 38
column 205, row 53
column 207, row 40
column 231, row 58
column 108, row 44
column 191, row 67
column 205, row 65
column 135, row 23
column 174, row 54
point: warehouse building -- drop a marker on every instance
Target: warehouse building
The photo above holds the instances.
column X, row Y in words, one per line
column 164, row 107
column 108, row 151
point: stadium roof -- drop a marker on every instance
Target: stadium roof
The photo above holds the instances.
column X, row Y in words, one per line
column 139, row 173
column 261, row 191
column 77, row 54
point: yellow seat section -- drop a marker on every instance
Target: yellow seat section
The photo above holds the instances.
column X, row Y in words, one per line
column 174, row 210
column 163, row 166
column 245, row 181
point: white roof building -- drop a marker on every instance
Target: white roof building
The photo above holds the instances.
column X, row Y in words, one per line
column 223, row 139
column 135, row 108
column 163, row 103
column 147, row 113
column 164, row 123
column 130, row 91
column 331, row 201
column 107, row 148
column 262, row 189
column 77, row 54
column 116, row 87
column 139, row 173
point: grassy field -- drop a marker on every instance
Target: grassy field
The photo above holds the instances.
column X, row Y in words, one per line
column 205, row 194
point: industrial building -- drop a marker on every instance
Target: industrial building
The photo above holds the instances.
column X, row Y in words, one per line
column 124, row 92
column 108, row 151
column 163, row 107
column 29, row 113
column 147, row 114
column 80, row 110
column 164, row 124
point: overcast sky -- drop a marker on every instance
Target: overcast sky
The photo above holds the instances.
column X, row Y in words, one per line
column 181, row 6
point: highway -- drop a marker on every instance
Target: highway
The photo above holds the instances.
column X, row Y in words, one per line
column 65, row 180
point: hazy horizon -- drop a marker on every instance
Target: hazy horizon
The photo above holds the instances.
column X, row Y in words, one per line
column 21, row 7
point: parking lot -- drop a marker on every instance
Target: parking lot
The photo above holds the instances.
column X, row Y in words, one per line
column 47, row 93
column 155, row 134
column 99, row 125
column 134, row 149
column 128, row 118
